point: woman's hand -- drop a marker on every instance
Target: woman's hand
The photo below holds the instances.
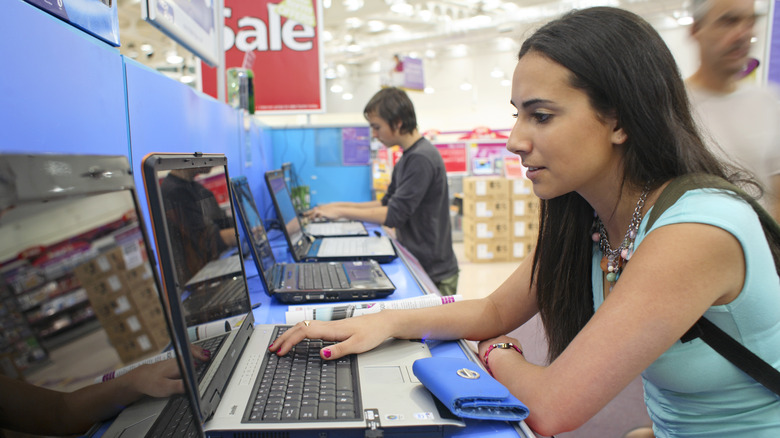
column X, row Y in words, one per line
column 163, row 379
column 354, row 335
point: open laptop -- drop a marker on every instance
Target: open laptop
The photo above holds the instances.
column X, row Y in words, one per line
column 257, row 392
column 308, row 248
column 305, row 282
column 81, row 213
column 322, row 227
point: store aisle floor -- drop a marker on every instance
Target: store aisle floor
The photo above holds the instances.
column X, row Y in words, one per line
column 477, row 280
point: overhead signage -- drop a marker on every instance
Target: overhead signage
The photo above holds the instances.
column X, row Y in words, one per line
column 285, row 38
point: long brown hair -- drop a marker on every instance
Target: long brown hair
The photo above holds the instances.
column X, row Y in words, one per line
column 626, row 70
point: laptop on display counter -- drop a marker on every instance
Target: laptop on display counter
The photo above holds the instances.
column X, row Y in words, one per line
column 319, row 227
column 105, row 274
column 309, row 248
column 305, row 282
column 254, row 393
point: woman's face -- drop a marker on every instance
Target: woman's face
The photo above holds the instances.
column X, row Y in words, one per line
column 563, row 143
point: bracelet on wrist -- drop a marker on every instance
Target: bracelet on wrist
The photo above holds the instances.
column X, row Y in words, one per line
column 503, row 346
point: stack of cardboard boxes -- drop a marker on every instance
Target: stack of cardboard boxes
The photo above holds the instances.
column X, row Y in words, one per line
column 123, row 293
column 500, row 218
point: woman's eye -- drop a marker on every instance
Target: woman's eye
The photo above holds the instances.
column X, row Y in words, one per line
column 514, row 115
column 541, row 117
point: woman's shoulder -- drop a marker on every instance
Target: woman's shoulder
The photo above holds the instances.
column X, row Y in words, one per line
column 711, row 206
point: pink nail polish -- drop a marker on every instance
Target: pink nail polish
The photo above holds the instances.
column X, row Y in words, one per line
column 326, row 353
column 271, row 346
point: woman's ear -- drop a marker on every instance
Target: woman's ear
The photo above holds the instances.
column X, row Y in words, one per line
column 619, row 136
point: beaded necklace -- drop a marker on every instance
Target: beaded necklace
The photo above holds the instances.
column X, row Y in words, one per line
column 614, row 260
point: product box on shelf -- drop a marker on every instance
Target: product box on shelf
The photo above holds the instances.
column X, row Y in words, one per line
column 485, row 187
column 521, row 248
column 494, row 250
column 485, row 228
column 485, row 208
column 525, row 207
column 524, row 227
column 520, row 187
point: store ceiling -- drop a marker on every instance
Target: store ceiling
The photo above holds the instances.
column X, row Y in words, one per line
column 361, row 32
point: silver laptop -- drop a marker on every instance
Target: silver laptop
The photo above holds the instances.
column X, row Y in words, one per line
column 319, row 227
column 304, row 282
column 247, row 389
column 309, row 248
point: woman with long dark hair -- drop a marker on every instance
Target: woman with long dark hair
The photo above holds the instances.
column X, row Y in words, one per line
column 603, row 125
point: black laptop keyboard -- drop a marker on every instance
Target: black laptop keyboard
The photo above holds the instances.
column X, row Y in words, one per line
column 176, row 420
column 300, row 386
column 322, row 276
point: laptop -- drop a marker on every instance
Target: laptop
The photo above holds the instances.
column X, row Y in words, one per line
column 305, row 282
column 254, row 393
column 320, row 227
column 309, row 248
column 81, row 215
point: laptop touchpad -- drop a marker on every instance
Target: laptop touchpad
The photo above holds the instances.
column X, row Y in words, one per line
column 386, row 374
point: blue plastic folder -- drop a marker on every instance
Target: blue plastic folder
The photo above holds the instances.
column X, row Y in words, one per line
column 468, row 390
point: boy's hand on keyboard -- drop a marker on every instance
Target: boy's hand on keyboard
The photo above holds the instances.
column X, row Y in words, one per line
column 353, row 335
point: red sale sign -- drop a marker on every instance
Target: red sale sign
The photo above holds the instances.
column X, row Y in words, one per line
column 283, row 35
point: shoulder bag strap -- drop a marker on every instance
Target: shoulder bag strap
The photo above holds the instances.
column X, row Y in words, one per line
column 720, row 341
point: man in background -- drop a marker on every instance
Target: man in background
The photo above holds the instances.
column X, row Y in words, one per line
column 416, row 204
column 741, row 119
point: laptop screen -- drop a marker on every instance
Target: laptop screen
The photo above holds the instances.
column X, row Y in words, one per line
column 253, row 229
column 77, row 277
column 281, row 197
column 201, row 264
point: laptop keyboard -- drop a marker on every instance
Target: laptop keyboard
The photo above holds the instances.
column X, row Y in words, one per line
column 176, row 420
column 300, row 386
column 316, row 276
column 335, row 228
column 351, row 246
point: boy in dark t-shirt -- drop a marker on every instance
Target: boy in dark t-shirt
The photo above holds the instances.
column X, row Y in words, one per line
column 417, row 199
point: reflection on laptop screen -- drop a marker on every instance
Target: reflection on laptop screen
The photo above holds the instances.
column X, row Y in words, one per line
column 284, row 201
column 76, row 271
column 259, row 244
column 203, row 243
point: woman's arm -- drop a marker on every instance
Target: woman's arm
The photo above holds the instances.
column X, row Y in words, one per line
column 33, row 409
column 676, row 274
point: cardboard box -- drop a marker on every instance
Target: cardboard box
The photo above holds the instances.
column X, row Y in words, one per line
column 105, row 263
column 522, row 248
column 491, row 228
column 520, row 187
column 485, row 208
column 136, row 346
column 524, row 227
column 485, row 187
column 525, row 207
column 496, row 250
